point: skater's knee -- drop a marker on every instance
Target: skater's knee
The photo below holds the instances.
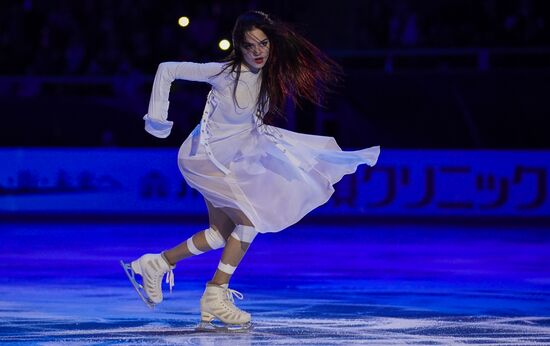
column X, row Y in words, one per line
column 244, row 233
column 214, row 238
column 223, row 228
column 220, row 221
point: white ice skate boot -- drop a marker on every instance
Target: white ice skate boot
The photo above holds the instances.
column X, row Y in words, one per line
column 152, row 268
column 217, row 303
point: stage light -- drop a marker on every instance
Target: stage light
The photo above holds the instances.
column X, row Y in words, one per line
column 183, row 21
column 224, row 44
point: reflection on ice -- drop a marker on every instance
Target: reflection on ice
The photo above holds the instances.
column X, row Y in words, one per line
column 62, row 284
column 57, row 315
column 276, row 331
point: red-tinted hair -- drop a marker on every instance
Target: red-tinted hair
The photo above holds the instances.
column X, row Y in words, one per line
column 296, row 69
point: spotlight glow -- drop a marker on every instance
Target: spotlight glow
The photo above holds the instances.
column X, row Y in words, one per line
column 183, row 22
column 224, row 44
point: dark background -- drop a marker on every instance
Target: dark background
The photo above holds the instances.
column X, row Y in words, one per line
column 419, row 74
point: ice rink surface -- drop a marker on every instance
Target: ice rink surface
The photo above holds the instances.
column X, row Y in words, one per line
column 309, row 285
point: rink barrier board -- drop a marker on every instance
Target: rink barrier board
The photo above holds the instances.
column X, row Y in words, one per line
column 406, row 184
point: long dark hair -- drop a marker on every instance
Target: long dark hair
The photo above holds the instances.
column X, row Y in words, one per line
column 295, row 69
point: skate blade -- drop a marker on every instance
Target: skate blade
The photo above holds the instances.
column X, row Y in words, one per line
column 219, row 327
column 139, row 288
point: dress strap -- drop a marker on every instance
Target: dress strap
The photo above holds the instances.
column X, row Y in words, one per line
column 211, row 103
column 275, row 136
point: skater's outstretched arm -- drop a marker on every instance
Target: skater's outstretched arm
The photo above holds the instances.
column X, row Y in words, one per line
column 156, row 119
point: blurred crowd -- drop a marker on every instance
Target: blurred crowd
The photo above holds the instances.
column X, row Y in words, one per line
column 453, row 23
column 102, row 37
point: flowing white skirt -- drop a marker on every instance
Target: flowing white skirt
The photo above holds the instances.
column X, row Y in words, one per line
column 276, row 177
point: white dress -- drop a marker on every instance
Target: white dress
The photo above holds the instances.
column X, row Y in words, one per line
column 274, row 176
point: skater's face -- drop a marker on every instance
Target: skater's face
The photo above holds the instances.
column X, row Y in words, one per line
column 255, row 49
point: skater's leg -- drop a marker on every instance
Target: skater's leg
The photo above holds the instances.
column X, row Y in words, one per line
column 214, row 237
column 232, row 255
column 217, row 301
column 235, row 248
column 153, row 267
column 220, row 220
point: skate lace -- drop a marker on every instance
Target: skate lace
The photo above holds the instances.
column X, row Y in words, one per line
column 170, row 279
column 233, row 293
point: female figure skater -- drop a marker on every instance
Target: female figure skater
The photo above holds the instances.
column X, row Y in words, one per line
column 255, row 178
